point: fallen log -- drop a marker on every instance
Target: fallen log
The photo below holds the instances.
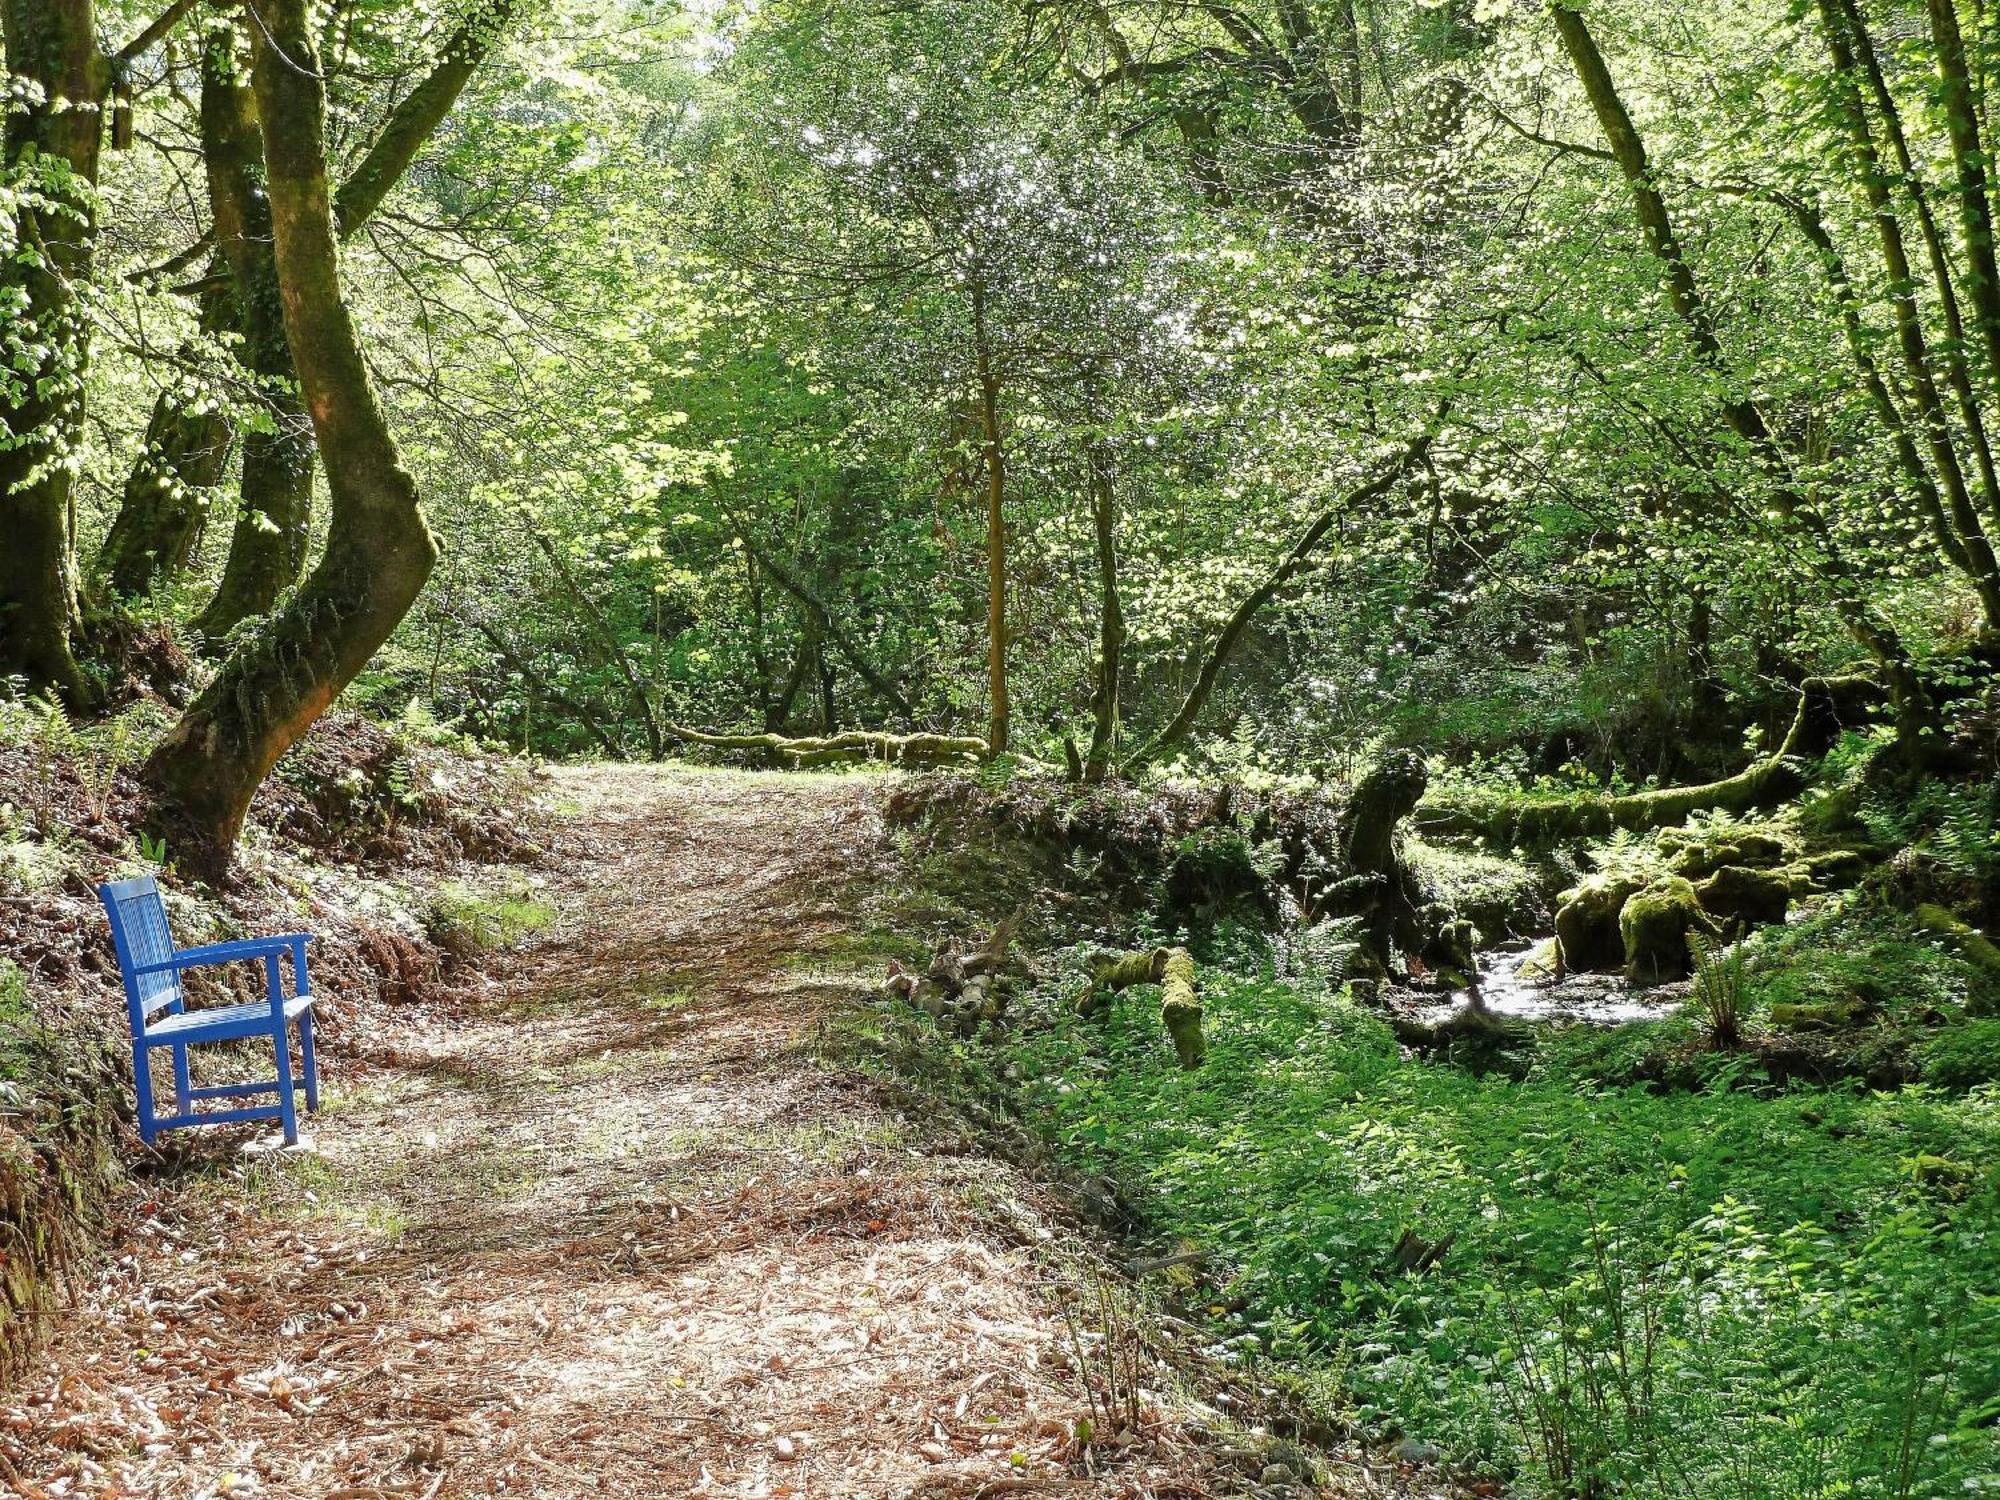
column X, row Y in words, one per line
column 962, row 989
column 854, row 745
column 1172, row 969
column 1766, row 782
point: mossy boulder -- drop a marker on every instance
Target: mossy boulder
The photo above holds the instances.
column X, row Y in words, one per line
column 1543, row 964
column 1654, row 925
column 1696, row 853
column 1823, row 1015
column 1832, row 869
column 1587, row 921
column 1737, row 893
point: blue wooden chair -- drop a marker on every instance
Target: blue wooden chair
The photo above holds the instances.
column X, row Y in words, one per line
column 152, row 968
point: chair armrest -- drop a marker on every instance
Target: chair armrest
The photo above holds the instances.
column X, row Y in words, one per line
column 244, row 948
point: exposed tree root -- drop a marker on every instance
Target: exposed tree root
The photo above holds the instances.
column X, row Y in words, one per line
column 1180, row 1001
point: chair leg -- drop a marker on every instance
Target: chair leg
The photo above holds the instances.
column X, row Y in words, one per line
column 281, row 1042
column 142, row 1085
column 311, row 1065
column 183, row 1102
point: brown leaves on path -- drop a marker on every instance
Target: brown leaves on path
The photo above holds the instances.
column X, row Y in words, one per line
column 611, row 1231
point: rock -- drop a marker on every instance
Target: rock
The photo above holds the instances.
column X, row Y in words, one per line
column 1543, row 965
column 1276, row 1474
column 1587, row 921
column 1697, row 860
column 1832, row 869
column 1695, row 854
column 1289, row 1455
column 1410, row 1451
column 1822, row 1015
column 1654, row 926
column 1739, row 893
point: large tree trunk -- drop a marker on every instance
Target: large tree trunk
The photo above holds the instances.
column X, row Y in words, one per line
column 267, row 550
column 52, row 154
column 379, row 549
column 1917, row 716
column 268, row 547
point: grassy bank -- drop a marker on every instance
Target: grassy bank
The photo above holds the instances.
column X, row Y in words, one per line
column 1583, row 1287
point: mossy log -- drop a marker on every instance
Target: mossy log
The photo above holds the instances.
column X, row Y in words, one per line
column 855, row 745
column 1172, row 969
column 1824, row 705
column 1974, row 946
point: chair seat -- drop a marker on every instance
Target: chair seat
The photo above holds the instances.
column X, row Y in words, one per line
column 221, row 1022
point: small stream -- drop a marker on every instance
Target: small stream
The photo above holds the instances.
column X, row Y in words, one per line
column 1597, row 999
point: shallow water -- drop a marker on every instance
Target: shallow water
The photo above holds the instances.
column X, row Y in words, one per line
column 1597, row 999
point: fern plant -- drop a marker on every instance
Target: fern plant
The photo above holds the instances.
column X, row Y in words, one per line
column 1720, row 978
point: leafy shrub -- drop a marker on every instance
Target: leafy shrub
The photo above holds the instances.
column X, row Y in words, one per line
column 1961, row 1057
column 1720, row 976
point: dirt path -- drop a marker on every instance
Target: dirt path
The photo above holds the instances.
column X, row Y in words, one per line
column 614, row 1231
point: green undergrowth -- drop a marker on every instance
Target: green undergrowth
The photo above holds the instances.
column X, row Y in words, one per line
column 465, row 919
column 1733, row 1291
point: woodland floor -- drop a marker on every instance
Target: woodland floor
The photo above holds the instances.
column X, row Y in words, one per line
column 613, row 1227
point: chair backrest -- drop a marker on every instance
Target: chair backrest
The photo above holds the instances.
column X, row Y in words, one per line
column 139, row 933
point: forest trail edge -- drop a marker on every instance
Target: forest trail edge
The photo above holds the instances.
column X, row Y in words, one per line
column 612, row 1230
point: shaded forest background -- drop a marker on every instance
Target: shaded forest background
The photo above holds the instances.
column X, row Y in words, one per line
column 1549, row 389
column 1453, row 541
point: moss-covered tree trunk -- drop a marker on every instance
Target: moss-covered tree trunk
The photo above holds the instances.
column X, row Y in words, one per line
column 52, row 136
column 171, row 490
column 267, row 549
column 379, row 549
column 1386, row 794
column 268, row 544
column 1947, row 502
column 1173, row 970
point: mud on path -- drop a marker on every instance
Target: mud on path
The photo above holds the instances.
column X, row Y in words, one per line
column 614, row 1229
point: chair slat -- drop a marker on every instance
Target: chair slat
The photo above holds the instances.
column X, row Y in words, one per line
column 146, row 937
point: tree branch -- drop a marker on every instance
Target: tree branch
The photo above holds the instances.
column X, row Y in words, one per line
column 413, row 121
column 168, row 19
